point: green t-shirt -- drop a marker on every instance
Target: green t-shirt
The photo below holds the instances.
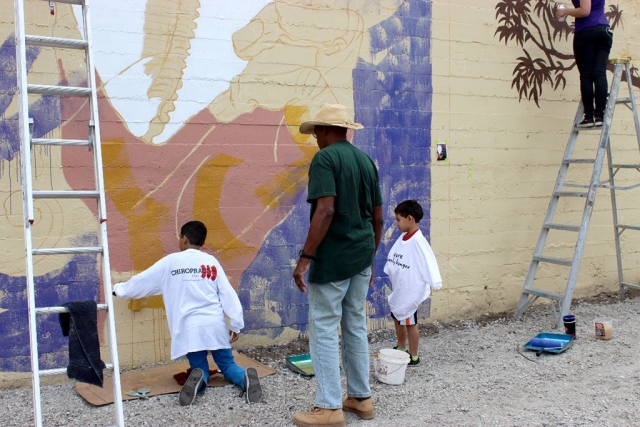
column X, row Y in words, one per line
column 343, row 171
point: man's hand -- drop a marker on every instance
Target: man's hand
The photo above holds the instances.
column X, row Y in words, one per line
column 371, row 280
column 299, row 272
column 233, row 337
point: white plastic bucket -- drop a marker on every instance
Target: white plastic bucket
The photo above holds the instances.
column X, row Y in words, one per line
column 390, row 365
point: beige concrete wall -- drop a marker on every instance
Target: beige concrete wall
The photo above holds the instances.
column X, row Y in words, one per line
column 490, row 197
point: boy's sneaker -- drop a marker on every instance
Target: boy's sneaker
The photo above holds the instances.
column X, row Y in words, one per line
column 406, row 350
column 587, row 122
column 252, row 387
column 191, row 387
column 413, row 363
column 597, row 122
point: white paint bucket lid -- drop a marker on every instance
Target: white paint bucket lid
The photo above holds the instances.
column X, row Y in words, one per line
column 396, row 356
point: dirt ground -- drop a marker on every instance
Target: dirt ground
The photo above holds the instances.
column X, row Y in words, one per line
column 473, row 373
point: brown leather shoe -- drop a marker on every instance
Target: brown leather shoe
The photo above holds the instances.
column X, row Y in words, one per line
column 363, row 409
column 320, row 417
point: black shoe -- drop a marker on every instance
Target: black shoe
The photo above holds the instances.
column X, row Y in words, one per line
column 252, row 387
column 395, row 347
column 587, row 122
column 597, row 122
column 413, row 363
column 191, row 387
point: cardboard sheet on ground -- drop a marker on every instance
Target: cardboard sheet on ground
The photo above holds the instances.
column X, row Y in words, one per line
column 160, row 380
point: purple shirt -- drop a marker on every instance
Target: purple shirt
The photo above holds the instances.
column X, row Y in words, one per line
column 596, row 17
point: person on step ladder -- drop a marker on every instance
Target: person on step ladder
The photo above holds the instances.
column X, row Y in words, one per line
column 591, row 46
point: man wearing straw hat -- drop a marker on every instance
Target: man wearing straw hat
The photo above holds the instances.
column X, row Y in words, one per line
column 345, row 230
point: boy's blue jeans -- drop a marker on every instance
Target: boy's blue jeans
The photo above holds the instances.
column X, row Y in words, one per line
column 331, row 305
column 224, row 359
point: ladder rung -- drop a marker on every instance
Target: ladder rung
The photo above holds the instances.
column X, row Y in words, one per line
column 564, row 227
column 43, row 141
column 86, row 194
column 552, row 260
column 625, row 100
column 58, row 310
column 68, row 251
column 63, row 371
column 630, row 285
column 58, row 90
column 78, row 2
column 624, row 166
column 569, row 194
column 544, row 294
column 567, row 161
column 591, row 129
column 630, row 227
column 55, row 42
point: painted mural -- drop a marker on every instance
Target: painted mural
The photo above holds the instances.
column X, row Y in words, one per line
column 531, row 25
column 200, row 103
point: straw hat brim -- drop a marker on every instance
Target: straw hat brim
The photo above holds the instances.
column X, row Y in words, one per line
column 307, row 127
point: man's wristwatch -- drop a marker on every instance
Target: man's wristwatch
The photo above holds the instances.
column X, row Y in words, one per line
column 301, row 254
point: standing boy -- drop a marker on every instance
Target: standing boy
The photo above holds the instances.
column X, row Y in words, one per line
column 413, row 271
column 197, row 295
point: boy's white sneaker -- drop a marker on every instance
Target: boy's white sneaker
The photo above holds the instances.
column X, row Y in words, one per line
column 190, row 388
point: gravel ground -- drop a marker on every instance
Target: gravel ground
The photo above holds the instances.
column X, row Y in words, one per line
column 473, row 373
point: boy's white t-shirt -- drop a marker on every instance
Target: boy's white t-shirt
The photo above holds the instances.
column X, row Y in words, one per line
column 196, row 294
column 413, row 271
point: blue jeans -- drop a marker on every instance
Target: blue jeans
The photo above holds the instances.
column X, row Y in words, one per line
column 332, row 304
column 224, row 359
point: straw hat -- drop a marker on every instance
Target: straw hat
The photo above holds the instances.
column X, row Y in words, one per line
column 330, row 115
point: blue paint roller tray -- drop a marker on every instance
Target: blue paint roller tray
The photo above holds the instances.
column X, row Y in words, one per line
column 549, row 342
column 300, row 364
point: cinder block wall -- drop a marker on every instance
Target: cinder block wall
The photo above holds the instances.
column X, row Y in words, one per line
column 200, row 105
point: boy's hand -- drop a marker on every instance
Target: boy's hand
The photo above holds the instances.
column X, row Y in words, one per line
column 233, row 337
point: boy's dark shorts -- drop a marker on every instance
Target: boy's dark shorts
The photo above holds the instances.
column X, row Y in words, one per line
column 411, row 320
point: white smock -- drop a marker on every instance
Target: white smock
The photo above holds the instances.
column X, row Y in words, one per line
column 197, row 295
column 413, row 271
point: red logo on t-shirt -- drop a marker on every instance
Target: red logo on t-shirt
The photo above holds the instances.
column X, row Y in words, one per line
column 209, row 272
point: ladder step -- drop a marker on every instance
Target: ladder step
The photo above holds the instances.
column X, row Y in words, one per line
column 58, row 310
column 624, row 166
column 63, row 371
column 564, row 227
column 58, row 90
column 626, row 100
column 85, row 194
column 568, row 161
column 544, row 294
column 78, row 2
column 68, row 251
column 629, row 227
column 552, row 260
column 43, row 141
column 569, row 194
column 55, row 42
column 631, row 285
column 591, row 129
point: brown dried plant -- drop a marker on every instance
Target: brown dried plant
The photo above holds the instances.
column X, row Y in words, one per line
column 532, row 26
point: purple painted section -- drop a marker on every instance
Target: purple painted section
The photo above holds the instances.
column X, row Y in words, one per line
column 45, row 112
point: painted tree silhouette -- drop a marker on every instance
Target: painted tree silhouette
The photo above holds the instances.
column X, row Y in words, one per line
column 531, row 25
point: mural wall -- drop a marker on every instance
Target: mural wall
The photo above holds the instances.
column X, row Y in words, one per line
column 200, row 105
column 200, row 102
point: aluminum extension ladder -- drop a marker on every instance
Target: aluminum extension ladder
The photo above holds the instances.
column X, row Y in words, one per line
column 529, row 293
column 30, row 196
